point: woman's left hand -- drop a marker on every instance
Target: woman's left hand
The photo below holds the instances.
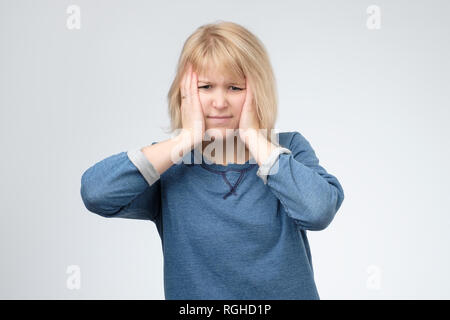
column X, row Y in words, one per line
column 250, row 131
column 249, row 121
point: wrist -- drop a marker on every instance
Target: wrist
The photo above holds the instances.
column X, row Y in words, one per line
column 260, row 147
column 189, row 139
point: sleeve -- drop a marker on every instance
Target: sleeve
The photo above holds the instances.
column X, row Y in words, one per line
column 309, row 194
column 265, row 167
column 124, row 185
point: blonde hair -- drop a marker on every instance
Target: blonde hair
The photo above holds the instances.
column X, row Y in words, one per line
column 234, row 51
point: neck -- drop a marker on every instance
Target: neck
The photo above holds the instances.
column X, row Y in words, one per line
column 218, row 156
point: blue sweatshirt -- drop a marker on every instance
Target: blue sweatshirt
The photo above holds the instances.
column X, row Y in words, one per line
column 227, row 232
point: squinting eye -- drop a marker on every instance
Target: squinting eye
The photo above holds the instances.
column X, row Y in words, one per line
column 236, row 88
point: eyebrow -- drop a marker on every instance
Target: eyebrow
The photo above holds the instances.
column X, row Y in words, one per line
column 209, row 82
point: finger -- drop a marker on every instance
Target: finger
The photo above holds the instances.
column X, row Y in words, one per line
column 248, row 94
column 183, row 81
column 249, row 83
column 191, row 82
column 194, row 86
column 186, row 80
column 247, row 88
column 190, row 88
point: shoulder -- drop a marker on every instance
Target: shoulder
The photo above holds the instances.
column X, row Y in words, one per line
column 292, row 140
column 300, row 147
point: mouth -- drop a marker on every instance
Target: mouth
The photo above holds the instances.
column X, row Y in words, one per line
column 219, row 117
column 220, row 120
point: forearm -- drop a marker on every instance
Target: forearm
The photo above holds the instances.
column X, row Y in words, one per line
column 164, row 154
column 310, row 195
column 114, row 187
column 259, row 146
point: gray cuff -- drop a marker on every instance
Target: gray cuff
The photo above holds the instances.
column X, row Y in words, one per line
column 144, row 166
column 265, row 167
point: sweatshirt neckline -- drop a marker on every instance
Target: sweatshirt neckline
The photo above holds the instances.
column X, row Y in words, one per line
column 208, row 164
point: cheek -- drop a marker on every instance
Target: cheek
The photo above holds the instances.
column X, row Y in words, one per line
column 238, row 102
column 238, row 106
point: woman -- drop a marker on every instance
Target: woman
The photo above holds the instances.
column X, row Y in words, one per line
column 232, row 224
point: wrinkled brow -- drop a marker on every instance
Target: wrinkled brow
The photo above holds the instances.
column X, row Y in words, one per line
column 209, row 82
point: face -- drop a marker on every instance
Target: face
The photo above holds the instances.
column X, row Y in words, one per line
column 221, row 96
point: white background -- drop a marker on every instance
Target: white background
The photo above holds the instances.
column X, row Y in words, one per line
column 374, row 104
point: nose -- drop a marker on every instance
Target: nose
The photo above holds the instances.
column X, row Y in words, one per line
column 219, row 100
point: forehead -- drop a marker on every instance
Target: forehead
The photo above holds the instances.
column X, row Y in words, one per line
column 218, row 75
column 219, row 78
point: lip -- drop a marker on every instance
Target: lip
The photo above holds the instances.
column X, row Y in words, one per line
column 219, row 117
column 219, row 120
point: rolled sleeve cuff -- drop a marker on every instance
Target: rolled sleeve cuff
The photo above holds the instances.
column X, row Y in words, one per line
column 144, row 166
column 265, row 167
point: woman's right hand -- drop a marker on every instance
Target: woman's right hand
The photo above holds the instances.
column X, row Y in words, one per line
column 192, row 117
